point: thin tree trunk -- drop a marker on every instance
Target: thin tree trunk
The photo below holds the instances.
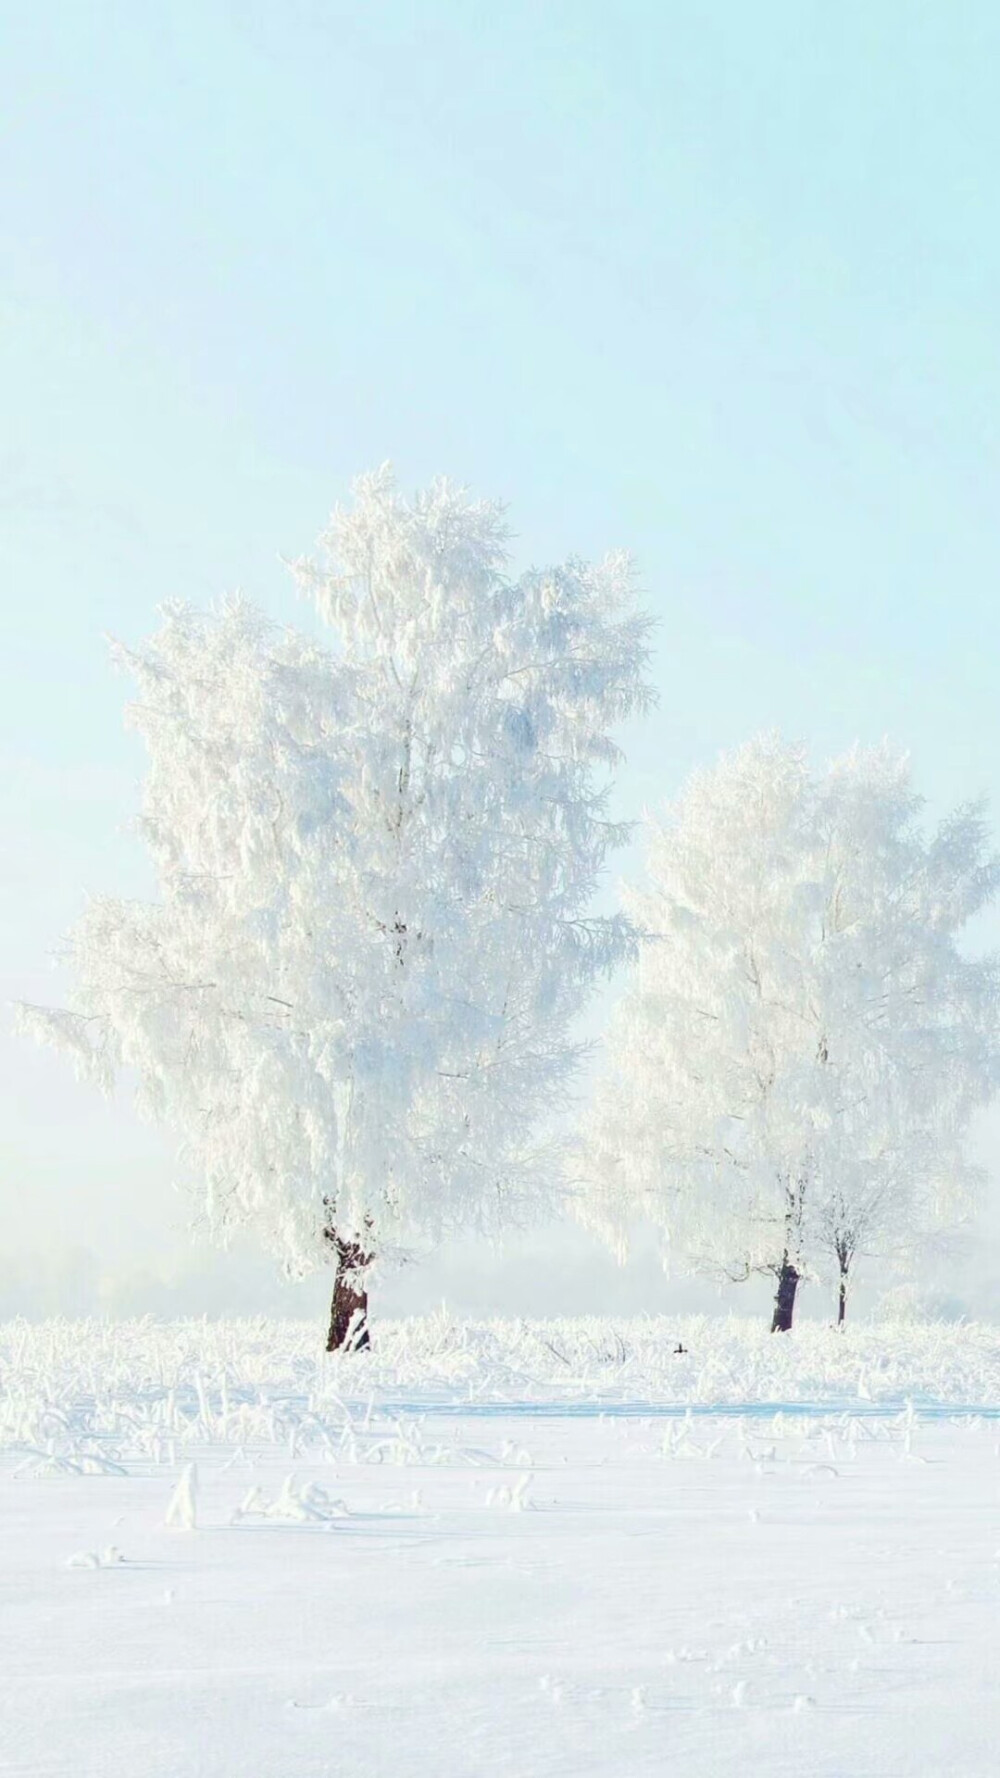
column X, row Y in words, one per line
column 844, row 1248
column 784, row 1302
column 349, row 1305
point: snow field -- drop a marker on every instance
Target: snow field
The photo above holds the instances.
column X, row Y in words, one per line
column 283, row 1574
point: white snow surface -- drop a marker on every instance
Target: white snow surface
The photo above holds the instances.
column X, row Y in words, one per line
column 499, row 1550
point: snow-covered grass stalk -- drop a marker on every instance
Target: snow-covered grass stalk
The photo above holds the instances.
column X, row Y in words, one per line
column 89, row 1396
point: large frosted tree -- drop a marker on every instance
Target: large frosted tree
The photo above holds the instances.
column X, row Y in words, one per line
column 354, row 994
column 792, row 1071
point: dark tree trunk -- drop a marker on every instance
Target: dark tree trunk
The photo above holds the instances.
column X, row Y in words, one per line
column 844, row 1249
column 784, row 1302
column 349, row 1306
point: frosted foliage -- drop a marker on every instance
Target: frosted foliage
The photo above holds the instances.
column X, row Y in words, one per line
column 793, row 1069
column 353, row 995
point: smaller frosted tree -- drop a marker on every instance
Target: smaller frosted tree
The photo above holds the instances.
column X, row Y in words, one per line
column 922, row 1017
column 792, row 1072
column 353, row 996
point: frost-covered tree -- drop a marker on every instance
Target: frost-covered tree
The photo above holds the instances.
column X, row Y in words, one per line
column 354, row 994
column 896, row 1174
column 792, row 1072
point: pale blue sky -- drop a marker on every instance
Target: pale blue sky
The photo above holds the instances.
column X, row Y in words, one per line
column 718, row 282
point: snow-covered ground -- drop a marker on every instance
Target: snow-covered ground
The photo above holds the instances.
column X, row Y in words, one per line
column 499, row 1549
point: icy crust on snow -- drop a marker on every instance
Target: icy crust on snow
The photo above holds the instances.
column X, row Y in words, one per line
column 99, row 1396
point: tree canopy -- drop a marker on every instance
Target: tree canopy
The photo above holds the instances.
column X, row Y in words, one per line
column 354, row 992
column 792, row 1070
